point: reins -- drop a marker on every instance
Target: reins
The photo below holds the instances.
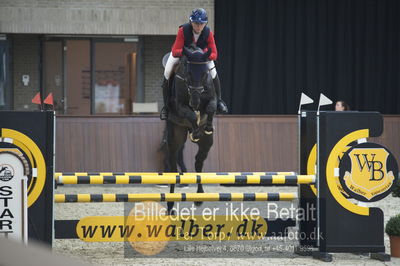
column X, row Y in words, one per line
column 199, row 89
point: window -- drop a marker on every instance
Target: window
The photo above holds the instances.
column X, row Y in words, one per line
column 114, row 82
column 90, row 76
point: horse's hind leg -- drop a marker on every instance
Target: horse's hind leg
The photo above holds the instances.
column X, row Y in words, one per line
column 205, row 143
column 176, row 137
column 170, row 205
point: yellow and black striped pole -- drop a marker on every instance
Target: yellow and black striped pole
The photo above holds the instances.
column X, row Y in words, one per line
column 190, row 178
column 159, row 197
column 163, row 174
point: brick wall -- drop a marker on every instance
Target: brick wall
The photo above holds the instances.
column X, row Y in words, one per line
column 25, row 61
column 155, row 47
column 136, row 17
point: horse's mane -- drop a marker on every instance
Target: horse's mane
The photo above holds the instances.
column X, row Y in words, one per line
column 181, row 68
column 182, row 65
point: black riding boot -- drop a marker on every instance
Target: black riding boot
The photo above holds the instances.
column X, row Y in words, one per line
column 221, row 106
column 164, row 110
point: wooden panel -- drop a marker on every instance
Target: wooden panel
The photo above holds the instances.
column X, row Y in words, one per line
column 241, row 143
column 391, row 135
column 108, row 144
column 258, row 143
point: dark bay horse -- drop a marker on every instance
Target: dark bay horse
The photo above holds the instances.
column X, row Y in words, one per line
column 192, row 106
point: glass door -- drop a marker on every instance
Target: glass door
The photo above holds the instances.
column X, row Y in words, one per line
column 53, row 73
column 78, row 77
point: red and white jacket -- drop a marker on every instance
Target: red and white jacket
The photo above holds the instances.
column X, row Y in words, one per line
column 185, row 37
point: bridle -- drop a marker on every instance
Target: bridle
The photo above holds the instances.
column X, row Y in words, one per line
column 198, row 89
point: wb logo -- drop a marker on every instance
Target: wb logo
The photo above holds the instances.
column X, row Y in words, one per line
column 367, row 172
column 371, row 165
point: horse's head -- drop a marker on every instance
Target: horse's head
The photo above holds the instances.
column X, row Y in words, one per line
column 197, row 73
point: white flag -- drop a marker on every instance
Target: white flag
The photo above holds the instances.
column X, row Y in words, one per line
column 323, row 100
column 305, row 99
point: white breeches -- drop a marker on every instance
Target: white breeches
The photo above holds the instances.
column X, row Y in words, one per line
column 172, row 61
column 213, row 70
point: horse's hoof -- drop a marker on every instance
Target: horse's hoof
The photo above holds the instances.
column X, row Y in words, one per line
column 198, row 203
column 193, row 138
column 208, row 130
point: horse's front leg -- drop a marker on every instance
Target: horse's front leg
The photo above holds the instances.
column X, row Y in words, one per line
column 194, row 119
column 210, row 111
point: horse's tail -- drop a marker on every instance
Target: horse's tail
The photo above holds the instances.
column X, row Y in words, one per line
column 164, row 149
column 163, row 145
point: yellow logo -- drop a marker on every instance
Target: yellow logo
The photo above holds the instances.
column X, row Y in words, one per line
column 38, row 179
column 311, row 168
column 369, row 176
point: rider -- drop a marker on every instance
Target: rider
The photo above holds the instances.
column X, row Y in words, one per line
column 198, row 33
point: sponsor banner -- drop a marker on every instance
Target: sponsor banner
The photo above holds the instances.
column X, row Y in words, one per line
column 30, row 136
column 13, row 200
column 171, row 228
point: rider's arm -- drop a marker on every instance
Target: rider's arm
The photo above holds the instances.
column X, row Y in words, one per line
column 178, row 44
column 212, row 46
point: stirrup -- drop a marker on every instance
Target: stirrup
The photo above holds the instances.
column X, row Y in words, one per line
column 164, row 113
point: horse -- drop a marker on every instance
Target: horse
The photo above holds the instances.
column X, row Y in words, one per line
column 192, row 107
